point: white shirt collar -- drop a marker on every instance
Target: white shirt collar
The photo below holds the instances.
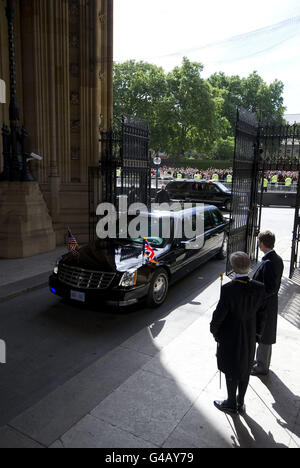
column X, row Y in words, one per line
column 237, row 276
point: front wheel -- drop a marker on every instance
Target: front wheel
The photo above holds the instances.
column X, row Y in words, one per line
column 158, row 289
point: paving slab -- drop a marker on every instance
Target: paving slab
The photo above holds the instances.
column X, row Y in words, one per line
column 60, row 410
column 22, row 268
column 203, row 426
column 157, row 390
column 147, row 406
column 91, row 432
column 10, row 438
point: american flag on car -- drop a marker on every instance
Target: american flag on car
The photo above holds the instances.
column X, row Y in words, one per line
column 72, row 243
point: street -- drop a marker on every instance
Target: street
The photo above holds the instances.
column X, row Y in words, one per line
column 99, row 377
column 49, row 340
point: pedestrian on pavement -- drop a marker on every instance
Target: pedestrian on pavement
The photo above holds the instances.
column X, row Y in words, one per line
column 237, row 324
column 163, row 195
column 269, row 273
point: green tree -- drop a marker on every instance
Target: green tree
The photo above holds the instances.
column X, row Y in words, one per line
column 254, row 94
column 179, row 105
column 140, row 90
column 192, row 116
column 224, row 149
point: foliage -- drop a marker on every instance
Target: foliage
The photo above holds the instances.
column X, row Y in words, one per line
column 188, row 115
column 253, row 94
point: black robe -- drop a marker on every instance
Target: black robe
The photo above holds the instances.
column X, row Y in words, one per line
column 270, row 273
column 237, row 323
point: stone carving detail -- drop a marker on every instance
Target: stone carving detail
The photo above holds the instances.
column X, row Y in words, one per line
column 74, row 40
column 74, row 69
column 75, row 126
column 75, row 98
column 75, row 153
column 101, row 122
column 74, row 8
column 101, row 17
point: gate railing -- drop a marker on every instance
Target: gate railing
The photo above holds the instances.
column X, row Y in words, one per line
column 124, row 168
column 244, row 187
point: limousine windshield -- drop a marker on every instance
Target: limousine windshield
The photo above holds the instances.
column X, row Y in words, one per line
column 155, row 228
column 222, row 187
column 162, row 227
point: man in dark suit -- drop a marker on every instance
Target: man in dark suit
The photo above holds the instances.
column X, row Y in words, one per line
column 237, row 323
column 269, row 273
column 162, row 196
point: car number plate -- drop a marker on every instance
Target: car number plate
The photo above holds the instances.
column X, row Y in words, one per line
column 78, row 296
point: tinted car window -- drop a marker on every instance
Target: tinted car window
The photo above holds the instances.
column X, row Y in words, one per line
column 208, row 222
column 197, row 187
column 222, row 187
column 217, row 217
column 212, row 188
column 177, row 186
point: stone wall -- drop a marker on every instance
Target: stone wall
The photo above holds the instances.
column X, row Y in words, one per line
column 64, row 51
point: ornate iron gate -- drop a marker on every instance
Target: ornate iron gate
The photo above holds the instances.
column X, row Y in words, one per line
column 280, row 151
column 124, row 168
column 243, row 225
column 259, row 149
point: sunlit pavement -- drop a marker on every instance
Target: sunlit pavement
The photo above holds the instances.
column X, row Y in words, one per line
column 156, row 388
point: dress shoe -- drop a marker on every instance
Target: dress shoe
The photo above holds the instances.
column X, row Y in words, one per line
column 241, row 409
column 256, row 371
column 225, row 407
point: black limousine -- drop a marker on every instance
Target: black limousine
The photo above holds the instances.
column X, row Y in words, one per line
column 114, row 270
column 201, row 191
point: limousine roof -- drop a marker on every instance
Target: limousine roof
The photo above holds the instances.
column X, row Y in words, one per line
column 179, row 212
column 192, row 181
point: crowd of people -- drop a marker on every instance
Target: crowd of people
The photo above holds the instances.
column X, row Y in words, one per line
column 224, row 175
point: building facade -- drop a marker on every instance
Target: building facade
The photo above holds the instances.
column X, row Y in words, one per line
column 64, row 74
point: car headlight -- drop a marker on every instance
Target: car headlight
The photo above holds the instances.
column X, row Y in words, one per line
column 55, row 269
column 128, row 279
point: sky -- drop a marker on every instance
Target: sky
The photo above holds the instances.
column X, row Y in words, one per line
column 235, row 37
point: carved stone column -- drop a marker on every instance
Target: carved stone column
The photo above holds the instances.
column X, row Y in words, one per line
column 66, row 98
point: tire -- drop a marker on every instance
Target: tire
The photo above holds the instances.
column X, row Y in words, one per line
column 158, row 290
column 222, row 255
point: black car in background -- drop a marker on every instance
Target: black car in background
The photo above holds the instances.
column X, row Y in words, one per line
column 202, row 191
column 113, row 271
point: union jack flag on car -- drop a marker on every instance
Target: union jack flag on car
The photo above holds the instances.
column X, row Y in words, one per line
column 149, row 254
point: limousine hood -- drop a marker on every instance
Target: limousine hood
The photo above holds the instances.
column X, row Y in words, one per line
column 107, row 256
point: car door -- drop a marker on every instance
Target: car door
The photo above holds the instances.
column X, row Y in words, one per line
column 209, row 244
column 178, row 255
column 177, row 190
column 220, row 225
column 197, row 192
column 214, row 195
column 211, row 235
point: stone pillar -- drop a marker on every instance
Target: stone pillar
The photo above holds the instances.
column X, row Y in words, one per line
column 25, row 225
column 64, row 61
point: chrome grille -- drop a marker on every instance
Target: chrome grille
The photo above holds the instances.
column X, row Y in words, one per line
column 84, row 279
